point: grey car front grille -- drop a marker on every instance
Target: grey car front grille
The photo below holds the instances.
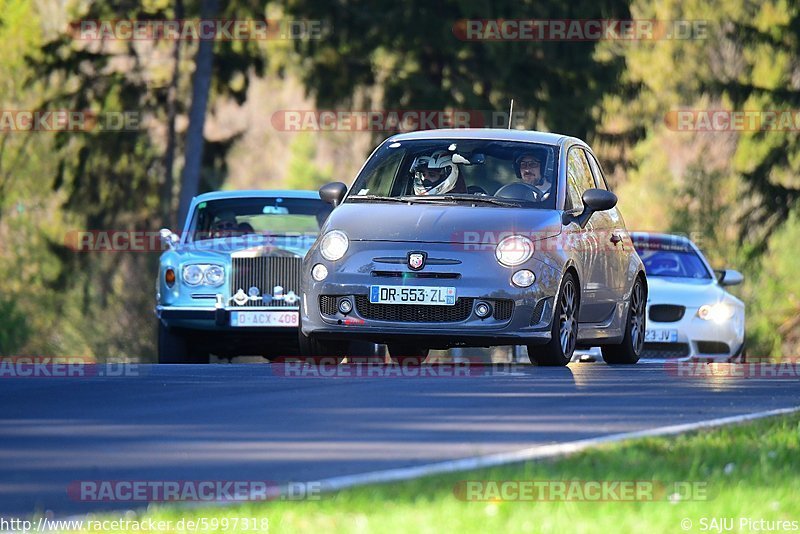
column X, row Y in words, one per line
column 539, row 310
column 265, row 273
column 503, row 309
column 327, row 304
column 410, row 313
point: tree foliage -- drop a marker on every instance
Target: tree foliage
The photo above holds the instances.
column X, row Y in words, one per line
column 410, row 51
column 733, row 190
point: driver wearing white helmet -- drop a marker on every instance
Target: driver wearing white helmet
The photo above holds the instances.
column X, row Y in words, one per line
column 436, row 175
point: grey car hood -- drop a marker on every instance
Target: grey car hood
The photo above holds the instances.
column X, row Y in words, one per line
column 441, row 223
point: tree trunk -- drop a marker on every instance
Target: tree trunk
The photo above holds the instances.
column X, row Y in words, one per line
column 201, row 83
column 167, row 215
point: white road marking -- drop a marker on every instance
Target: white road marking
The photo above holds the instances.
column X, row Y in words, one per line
column 533, row 453
column 538, row 452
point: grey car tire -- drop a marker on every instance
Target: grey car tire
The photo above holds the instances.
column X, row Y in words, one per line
column 630, row 349
column 318, row 351
column 564, row 328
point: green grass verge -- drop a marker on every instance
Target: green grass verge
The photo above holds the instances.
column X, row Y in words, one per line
column 748, row 471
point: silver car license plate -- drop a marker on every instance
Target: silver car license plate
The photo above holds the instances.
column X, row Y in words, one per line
column 265, row 318
column 661, row 336
column 430, row 296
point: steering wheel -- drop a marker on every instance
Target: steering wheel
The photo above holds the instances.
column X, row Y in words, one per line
column 476, row 190
column 520, row 191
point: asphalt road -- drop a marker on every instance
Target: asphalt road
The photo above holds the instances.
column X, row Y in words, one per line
column 245, row 422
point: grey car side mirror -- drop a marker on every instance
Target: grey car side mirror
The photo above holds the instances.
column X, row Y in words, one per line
column 333, row 193
column 593, row 200
column 729, row 277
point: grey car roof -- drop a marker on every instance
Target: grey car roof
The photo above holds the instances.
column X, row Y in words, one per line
column 499, row 134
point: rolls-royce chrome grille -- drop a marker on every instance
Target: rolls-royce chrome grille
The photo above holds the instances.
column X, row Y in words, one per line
column 277, row 279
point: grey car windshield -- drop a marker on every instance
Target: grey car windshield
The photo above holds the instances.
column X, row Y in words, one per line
column 510, row 172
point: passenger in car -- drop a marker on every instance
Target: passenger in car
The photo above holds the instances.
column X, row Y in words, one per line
column 225, row 225
column 245, row 228
column 530, row 169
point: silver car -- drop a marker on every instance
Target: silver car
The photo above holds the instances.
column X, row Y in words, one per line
column 475, row 237
column 691, row 314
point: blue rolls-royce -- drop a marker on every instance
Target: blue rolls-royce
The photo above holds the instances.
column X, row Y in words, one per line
column 229, row 284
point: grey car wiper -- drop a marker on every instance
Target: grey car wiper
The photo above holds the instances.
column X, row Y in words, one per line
column 377, row 198
column 466, row 198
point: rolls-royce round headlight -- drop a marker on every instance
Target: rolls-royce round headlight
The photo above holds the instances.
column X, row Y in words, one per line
column 334, row 245
column 192, row 275
column 215, row 275
column 514, row 250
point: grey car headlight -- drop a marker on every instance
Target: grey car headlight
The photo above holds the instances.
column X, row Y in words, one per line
column 334, row 245
column 203, row 273
column 514, row 250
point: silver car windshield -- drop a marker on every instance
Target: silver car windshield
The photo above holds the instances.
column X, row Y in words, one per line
column 234, row 217
column 673, row 263
column 456, row 170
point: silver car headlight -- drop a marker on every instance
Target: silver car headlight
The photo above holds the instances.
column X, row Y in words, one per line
column 718, row 313
column 334, row 245
column 514, row 250
column 203, row 273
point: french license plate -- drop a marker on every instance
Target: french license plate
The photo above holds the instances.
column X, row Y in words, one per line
column 265, row 318
column 431, row 296
column 661, row 336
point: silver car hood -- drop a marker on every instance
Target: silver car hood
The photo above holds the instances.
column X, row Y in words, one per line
column 688, row 292
column 441, row 223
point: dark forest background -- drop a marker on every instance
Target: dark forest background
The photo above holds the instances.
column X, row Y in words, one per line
column 206, row 112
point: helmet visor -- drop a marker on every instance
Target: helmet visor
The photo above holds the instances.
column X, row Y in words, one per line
column 431, row 177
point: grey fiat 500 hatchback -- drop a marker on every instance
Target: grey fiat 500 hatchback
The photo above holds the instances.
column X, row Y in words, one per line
column 471, row 238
